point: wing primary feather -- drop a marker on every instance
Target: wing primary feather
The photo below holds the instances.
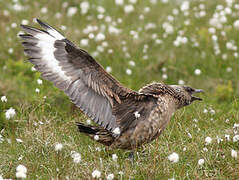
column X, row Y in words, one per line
column 32, row 31
column 44, row 25
column 29, row 38
column 53, row 32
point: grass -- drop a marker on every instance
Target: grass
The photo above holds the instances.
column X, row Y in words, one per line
column 42, row 122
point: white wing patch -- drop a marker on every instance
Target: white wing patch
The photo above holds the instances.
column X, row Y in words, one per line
column 56, row 34
column 46, row 44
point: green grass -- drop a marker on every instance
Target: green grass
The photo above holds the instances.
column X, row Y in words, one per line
column 42, row 122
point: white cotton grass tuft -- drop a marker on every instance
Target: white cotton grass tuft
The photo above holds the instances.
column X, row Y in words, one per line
column 132, row 63
column 101, row 9
column 13, row 25
column 219, row 140
column 99, row 37
column 4, row 99
column 128, row 8
column 116, row 131
column 174, row 157
column 128, row 71
column 20, row 158
column 227, row 137
column 21, row 175
column 168, row 28
column 181, row 82
column 201, row 162
column 197, row 72
column 189, row 135
column 84, row 42
column 1, row 140
column 58, row 15
column 37, row 90
column 110, row 177
column 235, row 125
column 164, row 76
column 180, row 40
column 164, row 69
column 10, row 113
column 121, row 173
column 133, row 1
column 58, row 146
column 88, row 121
column 171, row 178
column 76, row 157
column 119, row 2
column 110, row 51
column 39, row 81
column 71, row 11
column 185, row 6
column 108, row 69
column 21, row 171
column 19, row 140
column 114, row 157
column 137, row 114
column 114, row 30
column 234, row 153
column 84, row 7
column 236, row 24
column 44, row 10
column 208, row 140
column 96, row 174
column 33, row 69
column 21, row 168
column 235, row 138
column 96, row 137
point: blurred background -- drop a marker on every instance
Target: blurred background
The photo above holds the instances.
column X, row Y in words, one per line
column 177, row 42
column 192, row 42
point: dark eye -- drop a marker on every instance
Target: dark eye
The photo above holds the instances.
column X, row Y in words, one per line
column 188, row 89
column 177, row 89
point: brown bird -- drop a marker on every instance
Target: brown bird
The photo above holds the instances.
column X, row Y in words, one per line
column 126, row 119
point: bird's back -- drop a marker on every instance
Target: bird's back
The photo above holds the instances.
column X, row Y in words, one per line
column 147, row 124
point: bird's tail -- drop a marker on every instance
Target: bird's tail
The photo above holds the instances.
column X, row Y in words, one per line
column 96, row 133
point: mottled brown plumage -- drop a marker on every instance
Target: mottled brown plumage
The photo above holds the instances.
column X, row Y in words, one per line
column 126, row 119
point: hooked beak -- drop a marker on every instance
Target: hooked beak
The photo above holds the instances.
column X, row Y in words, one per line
column 195, row 92
column 198, row 91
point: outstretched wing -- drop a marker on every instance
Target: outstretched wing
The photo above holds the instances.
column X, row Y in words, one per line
column 75, row 72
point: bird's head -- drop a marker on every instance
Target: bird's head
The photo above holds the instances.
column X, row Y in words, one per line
column 181, row 95
column 185, row 95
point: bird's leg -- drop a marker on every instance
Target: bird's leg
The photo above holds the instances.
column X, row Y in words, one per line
column 131, row 156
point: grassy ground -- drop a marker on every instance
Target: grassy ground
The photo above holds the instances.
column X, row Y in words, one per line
column 41, row 122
